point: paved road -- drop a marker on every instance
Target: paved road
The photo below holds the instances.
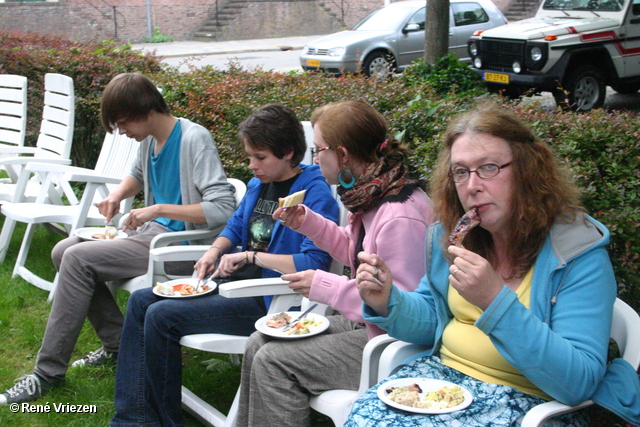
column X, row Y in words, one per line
column 282, row 54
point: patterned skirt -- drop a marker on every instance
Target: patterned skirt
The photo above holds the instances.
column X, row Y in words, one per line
column 492, row 405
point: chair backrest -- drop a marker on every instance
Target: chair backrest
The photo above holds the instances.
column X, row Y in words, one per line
column 58, row 117
column 241, row 189
column 308, row 136
column 625, row 331
column 13, row 109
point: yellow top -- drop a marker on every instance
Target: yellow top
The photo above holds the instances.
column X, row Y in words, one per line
column 468, row 350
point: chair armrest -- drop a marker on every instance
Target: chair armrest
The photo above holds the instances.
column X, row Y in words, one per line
column 539, row 413
column 165, row 239
column 28, row 160
column 15, row 150
column 370, row 361
column 178, row 253
column 71, row 173
column 395, row 354
column 256, row 288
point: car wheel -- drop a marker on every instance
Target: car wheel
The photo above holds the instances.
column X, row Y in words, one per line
column 586, row 88
column 379, row 65
column 626, row 88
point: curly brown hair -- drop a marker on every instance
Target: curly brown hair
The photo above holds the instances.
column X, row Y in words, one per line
column 544, row 188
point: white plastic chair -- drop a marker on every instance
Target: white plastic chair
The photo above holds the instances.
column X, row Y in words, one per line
column 625, row 331
column 13, row 110
column 156, row 271
column 54, row 140
column 113, row 164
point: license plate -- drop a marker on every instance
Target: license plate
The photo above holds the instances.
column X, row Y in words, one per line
column 498, row 78
column 313, row 63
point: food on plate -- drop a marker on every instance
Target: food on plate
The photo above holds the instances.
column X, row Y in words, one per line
column 279, row 320
column 291, row 199
column 303, row 326
column 441, row 398
column 102, row 236
column 163, row 289
column 182, row 289
column 465, row 224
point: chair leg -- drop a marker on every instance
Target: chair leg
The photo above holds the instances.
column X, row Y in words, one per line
column 5, row 237
column 20, row 270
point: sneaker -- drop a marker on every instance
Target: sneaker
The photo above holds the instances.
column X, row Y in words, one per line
column 27, row 388
column 96, row 358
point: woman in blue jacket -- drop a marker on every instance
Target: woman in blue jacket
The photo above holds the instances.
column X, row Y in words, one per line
column 521, row 313
column 149, row 375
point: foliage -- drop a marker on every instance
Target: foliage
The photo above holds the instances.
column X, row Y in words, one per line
column 91, row 65
column 158, row 37
column 447, row 75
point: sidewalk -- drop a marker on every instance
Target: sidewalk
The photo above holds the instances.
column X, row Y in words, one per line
column 194, row 48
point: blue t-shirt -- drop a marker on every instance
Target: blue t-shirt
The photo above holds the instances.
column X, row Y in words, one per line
column 164, row 175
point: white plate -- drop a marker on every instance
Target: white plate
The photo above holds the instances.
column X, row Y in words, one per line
column 85, row 233
column 426, row 385
column 189, row 281
column 261, row 325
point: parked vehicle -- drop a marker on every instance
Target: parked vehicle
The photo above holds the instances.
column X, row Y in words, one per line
column 572, row 48
column 391, row 38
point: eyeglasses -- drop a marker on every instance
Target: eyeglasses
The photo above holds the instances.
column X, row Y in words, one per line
column 315, row 150
column 488, row 171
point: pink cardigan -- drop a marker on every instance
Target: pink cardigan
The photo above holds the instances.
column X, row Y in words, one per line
column 394, row 231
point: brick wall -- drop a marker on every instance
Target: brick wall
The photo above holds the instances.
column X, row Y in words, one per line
column 127, row 20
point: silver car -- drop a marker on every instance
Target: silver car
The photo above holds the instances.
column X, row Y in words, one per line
column 392, row 37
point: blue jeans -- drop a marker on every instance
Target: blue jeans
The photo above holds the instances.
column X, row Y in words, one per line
column 149, row 371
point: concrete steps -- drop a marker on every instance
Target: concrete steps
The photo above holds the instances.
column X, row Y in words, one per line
column 521, row 9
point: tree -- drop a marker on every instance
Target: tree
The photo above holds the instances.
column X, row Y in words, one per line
column 436, row 30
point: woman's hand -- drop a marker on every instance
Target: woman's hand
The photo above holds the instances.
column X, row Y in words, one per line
column 207, row 263
column 291, row 217
column 300, row 281
column 230, row 263
column 473, row 277
column 374, row 293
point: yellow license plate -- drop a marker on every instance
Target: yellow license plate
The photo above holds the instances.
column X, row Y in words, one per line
column 313, row 63
column 498, row 78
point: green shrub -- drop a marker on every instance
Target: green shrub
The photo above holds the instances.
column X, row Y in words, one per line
column 91, row 65
column 158, row 37
column 447, row 75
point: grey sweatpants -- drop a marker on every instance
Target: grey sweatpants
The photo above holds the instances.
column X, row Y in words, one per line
column 83, row 268
column 279, row 376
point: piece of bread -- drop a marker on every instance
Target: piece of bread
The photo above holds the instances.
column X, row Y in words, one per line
column 291, row 199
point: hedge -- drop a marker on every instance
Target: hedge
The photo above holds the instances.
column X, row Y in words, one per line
column 601, row 148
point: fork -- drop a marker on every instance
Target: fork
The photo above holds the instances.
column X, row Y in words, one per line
column 302, row 316
column 204, row 280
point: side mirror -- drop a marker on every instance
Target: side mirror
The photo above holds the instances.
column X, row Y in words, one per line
column 410, row 28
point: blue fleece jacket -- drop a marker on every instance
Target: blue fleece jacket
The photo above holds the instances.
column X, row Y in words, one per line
column 284, row 240
column 560, row 343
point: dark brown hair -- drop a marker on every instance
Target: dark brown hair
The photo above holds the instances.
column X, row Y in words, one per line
column 543, row 192
column 277, row 129
column 130, row 96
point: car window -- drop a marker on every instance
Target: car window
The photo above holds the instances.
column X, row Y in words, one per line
column 418, row 18
column 596, row 5
column 468, row 14
column 385, row 19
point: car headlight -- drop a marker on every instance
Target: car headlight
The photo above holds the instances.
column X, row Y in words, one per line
column 536, row 53
column 473, row 48
column 477, row 62
column 517, row 68
column 336, row 51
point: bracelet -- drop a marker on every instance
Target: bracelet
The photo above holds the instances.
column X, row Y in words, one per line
column 246, row 257
column 216, row 247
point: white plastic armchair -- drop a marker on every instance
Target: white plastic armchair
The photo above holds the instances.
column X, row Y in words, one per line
column 53, row 144
column 113, row 163
column 625, row 331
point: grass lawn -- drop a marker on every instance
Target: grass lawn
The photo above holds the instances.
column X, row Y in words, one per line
column 23, row 317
